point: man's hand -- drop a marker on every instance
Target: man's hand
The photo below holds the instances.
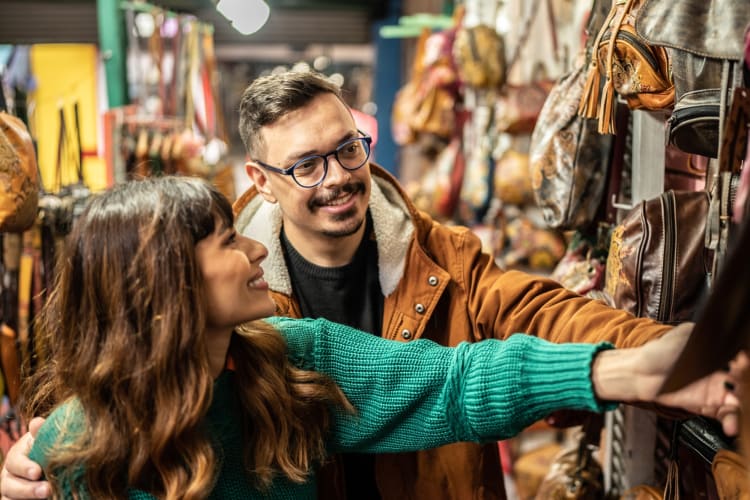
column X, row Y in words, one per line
column 21, row 478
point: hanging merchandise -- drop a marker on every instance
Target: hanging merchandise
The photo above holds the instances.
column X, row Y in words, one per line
column 426, row 103
column 705, row 45
column 479, row 52
column 175, row 123
column 658, row 263
column 519, row 103
column 629, row 66
column 61, row 207
column 19, row 177
column 684, row 171
column 576, row 474
column 568, row 157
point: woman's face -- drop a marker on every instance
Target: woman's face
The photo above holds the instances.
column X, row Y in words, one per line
column 235, row 289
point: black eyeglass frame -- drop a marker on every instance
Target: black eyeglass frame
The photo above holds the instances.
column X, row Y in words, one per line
column 290, row 170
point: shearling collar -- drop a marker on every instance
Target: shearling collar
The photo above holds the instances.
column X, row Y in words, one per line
column 261, row 220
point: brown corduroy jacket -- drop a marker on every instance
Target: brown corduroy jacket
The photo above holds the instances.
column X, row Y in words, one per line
column 438, row 284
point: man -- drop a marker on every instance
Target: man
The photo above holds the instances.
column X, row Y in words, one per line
column 346, row 244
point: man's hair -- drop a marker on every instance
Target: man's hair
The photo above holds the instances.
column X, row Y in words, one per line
column 124, row 335
column 268, row 98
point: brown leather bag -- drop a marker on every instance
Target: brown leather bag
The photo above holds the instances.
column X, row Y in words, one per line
column 19, row 178
column 637, row 71
column 658, row 265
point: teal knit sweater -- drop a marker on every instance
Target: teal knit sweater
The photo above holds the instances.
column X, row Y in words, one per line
column 408, row 396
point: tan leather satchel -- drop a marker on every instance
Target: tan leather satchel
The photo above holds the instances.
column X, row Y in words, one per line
column 730, row 475
column 19, row 176
column 632, row 68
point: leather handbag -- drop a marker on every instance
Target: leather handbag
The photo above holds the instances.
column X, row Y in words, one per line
column 704, row 40
column 730, row 475
column 568, row 157
column 630, row 67
column 658, row 264
column 575, row 474
column 479, row 52
column 19, row 176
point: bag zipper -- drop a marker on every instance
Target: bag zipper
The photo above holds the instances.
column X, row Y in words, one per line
column 701, row 110
column 637, row 44
column 669, row 262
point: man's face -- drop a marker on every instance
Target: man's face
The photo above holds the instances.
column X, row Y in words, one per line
column 334, row 209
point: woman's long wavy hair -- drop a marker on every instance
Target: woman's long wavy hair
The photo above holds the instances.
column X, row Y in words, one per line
column 123, row 332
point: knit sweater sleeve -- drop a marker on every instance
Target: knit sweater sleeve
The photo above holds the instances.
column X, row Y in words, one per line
column 420, row 395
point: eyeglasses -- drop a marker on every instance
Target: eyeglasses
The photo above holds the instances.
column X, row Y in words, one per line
column 310, row 171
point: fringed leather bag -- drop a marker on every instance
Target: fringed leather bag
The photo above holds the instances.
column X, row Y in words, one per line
column 637, row 71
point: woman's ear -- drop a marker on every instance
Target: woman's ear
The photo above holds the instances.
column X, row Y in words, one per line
column 260, row 178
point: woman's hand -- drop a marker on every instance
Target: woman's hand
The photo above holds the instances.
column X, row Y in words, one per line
column 638, row 374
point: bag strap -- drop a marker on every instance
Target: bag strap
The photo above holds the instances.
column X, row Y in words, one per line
column 61, row 142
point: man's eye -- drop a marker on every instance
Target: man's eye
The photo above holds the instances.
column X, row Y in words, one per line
column 305, row 167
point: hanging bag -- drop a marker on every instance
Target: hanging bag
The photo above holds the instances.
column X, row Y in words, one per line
column 704, row 40
column 19, row 177
column 568, row 157
column 658, row 264
column 630, row 67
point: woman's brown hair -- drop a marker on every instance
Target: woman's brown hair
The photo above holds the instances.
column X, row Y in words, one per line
column 123, row 336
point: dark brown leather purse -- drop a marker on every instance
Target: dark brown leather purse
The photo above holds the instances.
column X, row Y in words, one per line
column 658, row 264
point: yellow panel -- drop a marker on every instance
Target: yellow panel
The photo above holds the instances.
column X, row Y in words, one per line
column 66, row 74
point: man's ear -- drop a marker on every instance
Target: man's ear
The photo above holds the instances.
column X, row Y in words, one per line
column 260, row 178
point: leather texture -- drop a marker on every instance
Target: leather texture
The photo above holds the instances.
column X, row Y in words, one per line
column 731, row 476
column 19, row 177
column 701, row 37
column 568, row 157
column 657, row 263
column 705, row 28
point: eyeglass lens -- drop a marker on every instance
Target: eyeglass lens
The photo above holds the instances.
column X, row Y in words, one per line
column 350, row 155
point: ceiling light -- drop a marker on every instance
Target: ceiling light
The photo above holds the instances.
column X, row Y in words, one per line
column 246, row 16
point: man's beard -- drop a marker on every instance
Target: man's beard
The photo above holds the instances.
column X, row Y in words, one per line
column 317, row 202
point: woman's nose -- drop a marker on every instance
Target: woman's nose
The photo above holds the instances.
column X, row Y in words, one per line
column 255, row 249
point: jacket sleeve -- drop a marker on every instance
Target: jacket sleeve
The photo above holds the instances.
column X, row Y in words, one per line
column 502, row 303
column 420, row 395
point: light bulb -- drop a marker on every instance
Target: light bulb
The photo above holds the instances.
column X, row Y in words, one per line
column 246, row 16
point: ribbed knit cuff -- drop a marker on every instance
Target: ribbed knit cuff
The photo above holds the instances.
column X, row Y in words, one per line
column 545, row 377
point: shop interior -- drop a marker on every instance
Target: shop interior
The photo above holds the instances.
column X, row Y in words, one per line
column 516, row 118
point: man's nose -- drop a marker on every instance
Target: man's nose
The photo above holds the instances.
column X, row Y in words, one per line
column 337, row 174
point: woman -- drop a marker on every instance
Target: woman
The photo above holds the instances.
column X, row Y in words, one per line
column 158, row 391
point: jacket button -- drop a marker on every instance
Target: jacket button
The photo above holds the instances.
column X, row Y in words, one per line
column 432, row 280
column 406, row 334
column 419, row 308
